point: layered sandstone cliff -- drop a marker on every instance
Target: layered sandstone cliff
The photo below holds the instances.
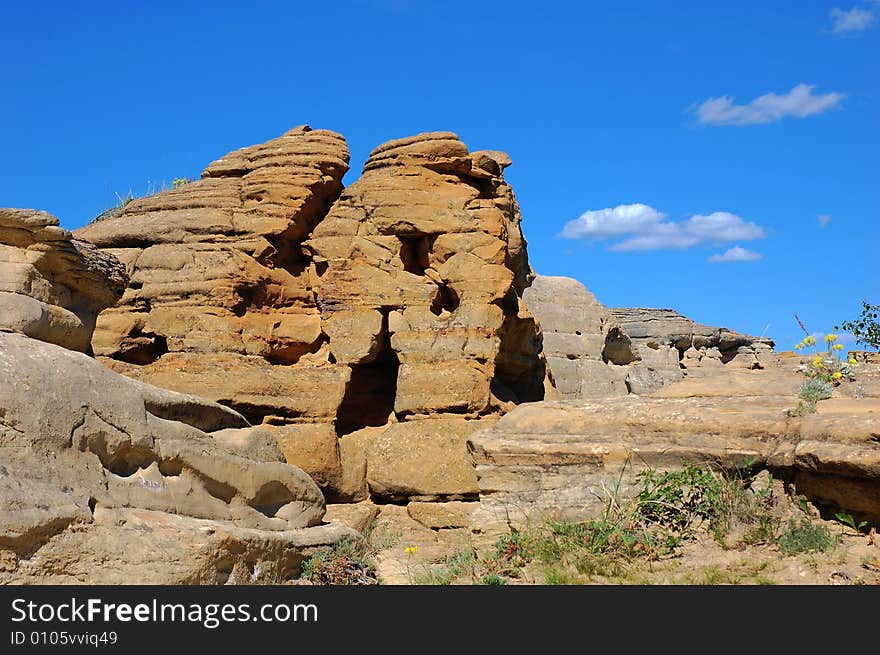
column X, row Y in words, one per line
column 371, row 330
column 104, row 479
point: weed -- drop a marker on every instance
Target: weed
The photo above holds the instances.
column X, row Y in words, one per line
column 803, row 536
column 510, row 554
column 847, row 519
column 815, row 389
column 804, row 407
column 458, row 565
column 677, row 500
column 825, row 366
column 347, row 563
column 381, row 537
column 716, row 576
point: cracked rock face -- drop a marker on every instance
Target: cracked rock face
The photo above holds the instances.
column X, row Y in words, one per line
column 52, row 286
column 334, row 318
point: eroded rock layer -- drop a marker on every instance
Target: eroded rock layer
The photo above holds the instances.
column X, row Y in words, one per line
column 560, row 459
column 672, row 346
column 597, row 352
column 52, row 286
column 357, row 326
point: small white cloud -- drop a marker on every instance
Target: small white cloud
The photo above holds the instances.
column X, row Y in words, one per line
column 854, row 20
column 824, row 220
column 616, row 221
column 642, row 227
column 735, row 254
column 770, row 108
column 723, row 226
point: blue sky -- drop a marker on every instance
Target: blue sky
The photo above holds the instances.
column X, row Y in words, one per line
column 663, row 134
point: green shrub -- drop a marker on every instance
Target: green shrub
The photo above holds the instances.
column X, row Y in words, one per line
column 804, row 536
column 814, row 390
column 865, row 328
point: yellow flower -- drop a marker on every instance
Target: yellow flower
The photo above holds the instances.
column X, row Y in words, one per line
column 798, row 346
column 830, row 337
column 851, row 360
column 810, row 340
column 836, row 375
column 411, row 550
column 837, row 346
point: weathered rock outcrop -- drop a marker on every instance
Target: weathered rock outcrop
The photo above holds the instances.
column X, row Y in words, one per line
column 585, row 349
column 597, row 352
column 52, row 286
column 672, row 346
column 558, row 458
column 76, row 438
column 107, row 479
column 358, row 326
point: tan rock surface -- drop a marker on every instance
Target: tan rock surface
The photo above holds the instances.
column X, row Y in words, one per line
column 70, row 450
column 423, row 459
column 672, row 346
column 52, row 286
column 311, row 309
column 124, row 546
column 585, row 349
column 555, row 458
column 357, row 516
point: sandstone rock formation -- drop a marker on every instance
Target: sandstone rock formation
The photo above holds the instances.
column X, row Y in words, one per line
column 52, row 286
column 76, row 438
column 92, row 462
column 364, row 328
column 671, row 346
column 558, row 458
column 596, row 352
column 585, row 348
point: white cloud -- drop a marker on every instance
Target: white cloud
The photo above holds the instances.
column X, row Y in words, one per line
column 824, row 220
column 645, row 228
column 601, row 223
column 735, row 254
column 723, row 226
column 799, row 102
column 854, row 20
column 662, row 236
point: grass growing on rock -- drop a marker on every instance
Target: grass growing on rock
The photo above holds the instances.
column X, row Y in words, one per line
column 647, row 533
column 646, row 529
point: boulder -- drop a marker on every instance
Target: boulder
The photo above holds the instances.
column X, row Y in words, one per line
column 52, row 286
column 597, row 352
column 70, row 450
column 122, row 546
